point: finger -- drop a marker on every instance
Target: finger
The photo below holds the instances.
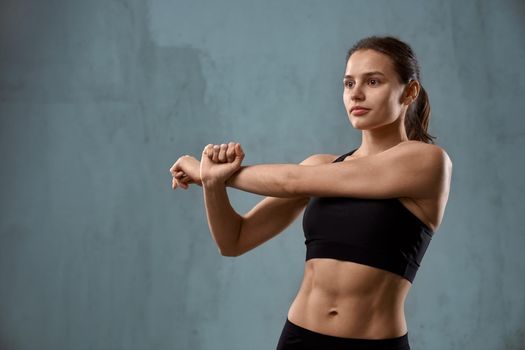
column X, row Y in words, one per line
column 185, row 179
column 173, row 169
column 238, row 151
column 173, row 183
column 215, row 157
column 230, row 153
column 176, row 166
column 222, row 153
column 181, row 184
column 206, row 150
column 178, row 175
column 209, row 151
column 239, row 155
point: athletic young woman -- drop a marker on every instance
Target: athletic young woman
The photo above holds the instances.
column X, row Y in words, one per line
column 369, row 214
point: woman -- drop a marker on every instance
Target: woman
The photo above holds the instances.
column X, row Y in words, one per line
column 369, row 213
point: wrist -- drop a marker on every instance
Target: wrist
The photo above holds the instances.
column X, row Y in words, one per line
column 212, row 182
column 229, row 181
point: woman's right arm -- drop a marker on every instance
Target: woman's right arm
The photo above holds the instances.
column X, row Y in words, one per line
column 235, row 234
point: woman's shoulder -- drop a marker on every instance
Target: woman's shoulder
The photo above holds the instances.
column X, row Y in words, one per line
column 431, row 150
column 438, row 153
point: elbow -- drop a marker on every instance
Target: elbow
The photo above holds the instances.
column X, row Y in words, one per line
column 228, row 254
column 231, row 248
column 232, row 253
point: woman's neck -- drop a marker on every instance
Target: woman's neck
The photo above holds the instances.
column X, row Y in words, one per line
column 379, row 140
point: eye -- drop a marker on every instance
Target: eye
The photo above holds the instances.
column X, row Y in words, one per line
column 373, row 81
column 348, row 83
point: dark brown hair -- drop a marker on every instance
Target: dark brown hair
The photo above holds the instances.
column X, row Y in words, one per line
column 407, row 68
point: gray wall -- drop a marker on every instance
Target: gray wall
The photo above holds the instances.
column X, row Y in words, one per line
column 99, row 98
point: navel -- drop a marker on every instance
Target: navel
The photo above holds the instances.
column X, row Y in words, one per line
column 333, row 312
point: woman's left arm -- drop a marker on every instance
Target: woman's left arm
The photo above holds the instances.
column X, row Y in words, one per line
column 411, row 169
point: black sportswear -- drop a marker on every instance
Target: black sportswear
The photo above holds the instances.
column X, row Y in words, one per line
column 295, row 337
column 381, row 233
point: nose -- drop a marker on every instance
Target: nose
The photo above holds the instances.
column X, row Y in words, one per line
column 357, row 93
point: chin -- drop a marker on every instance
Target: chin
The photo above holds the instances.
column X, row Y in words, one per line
column 358, row 124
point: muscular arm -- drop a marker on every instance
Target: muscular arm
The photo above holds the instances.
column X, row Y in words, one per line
column 413, row 170
column 263, row 179
column 223, row 220
column 235, row 234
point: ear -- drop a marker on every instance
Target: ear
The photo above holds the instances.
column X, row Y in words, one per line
column 411, row 92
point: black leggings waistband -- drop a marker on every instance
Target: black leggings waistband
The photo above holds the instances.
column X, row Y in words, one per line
column 294, row 337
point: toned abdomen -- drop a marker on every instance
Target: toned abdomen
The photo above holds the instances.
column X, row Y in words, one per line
column 346, row 299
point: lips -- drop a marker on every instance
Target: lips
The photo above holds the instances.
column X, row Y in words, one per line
column 359, row 111
column 356, row 108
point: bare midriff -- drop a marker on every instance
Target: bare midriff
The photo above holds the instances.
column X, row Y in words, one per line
column 350, row 300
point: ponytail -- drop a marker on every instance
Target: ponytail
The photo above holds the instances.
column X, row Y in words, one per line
column 417, row 119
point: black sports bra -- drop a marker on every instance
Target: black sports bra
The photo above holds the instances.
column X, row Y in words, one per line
column 381, row 233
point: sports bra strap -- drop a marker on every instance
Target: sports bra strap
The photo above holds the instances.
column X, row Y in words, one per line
column 340, row 158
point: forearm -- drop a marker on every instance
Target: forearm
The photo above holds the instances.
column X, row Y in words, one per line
column 265, row 179
column 223, row 221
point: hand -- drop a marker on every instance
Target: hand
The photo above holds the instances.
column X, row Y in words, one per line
column 218, row 163
column 185, row 171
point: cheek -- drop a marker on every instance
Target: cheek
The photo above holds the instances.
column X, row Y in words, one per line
column 381, row 101
column 346, row 98
column 393, row 102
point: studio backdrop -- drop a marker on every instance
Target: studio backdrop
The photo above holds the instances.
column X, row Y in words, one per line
column 98, row 99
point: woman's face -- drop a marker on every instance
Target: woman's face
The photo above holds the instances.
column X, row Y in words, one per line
column 371, row 82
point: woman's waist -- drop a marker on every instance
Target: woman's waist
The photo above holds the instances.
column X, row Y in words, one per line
column 348, row 316
column 348, row 305
column 348, row 299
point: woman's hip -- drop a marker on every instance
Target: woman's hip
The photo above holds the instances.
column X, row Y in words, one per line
column 295, row 337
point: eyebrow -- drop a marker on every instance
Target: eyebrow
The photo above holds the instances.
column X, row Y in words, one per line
column 366, row 74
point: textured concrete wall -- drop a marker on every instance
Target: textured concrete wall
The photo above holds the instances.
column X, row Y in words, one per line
column 99, row 98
